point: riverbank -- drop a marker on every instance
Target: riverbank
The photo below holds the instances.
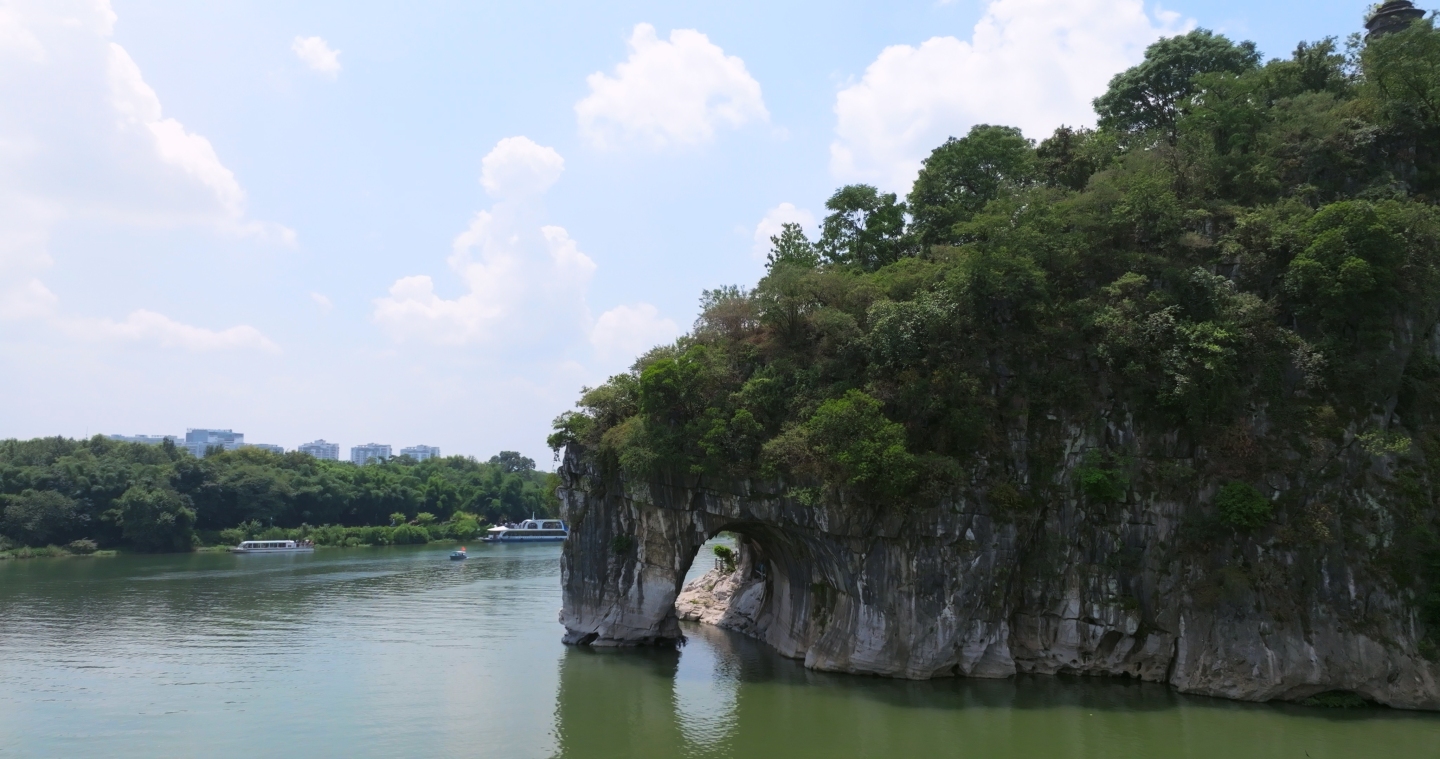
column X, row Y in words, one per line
column 82, row 552
column 52, row 552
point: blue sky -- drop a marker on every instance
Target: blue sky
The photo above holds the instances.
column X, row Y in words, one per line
column 435, row 222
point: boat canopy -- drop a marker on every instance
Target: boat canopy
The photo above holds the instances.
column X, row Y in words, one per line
column 532, row 524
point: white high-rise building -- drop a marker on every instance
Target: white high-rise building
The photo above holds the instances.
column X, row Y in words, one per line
column 363, row 454
column 322, row 450
column 421, row 452
column 266, row 447
column 198, row 441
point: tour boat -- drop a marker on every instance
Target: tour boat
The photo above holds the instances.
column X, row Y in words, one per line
column 272, row 546
column 529, row 531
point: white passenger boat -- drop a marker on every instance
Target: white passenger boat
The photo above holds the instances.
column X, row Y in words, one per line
column 273, row 546
column 528, row 531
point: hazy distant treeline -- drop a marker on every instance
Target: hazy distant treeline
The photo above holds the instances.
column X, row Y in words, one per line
column 156, row 498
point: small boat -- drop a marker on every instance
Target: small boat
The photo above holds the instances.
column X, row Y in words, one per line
column 273, row 546
column 459, row 555
column 529, row 531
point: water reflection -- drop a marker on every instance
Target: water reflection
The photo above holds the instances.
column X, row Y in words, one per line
column 370, row 652
column 617, row 703
column 400, row 652
column 724, row 695
column 707, row 690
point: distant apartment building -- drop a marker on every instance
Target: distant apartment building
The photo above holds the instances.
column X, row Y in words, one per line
column 146, row 439
column 421, row 452
column 363, row 454
column 266, row 447
column 322, row 450
column 198, row 440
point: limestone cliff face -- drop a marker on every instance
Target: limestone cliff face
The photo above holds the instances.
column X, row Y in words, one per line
column 967, row 588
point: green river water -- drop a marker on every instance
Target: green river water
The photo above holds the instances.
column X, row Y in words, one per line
column 399, row 652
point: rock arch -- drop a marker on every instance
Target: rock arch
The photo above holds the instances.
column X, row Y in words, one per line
column 844, row 589
column 949, row 590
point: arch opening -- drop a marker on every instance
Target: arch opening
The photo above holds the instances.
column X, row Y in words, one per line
column 730, row 594
column 799, row 589
column 782, row 590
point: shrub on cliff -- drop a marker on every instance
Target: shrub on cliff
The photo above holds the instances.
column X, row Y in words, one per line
column 1100, row 483
column 727, row 558
column 1242, row 507
column 849, row 441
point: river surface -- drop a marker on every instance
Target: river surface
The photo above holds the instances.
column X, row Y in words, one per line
column 398, row 652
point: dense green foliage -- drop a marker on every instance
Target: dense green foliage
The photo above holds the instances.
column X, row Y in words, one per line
column 156, row 498
column 727, row 557
column 1242, row 506
column 1243, row 258
column 1151, row 96
column 962, row 176
column 1101, row 483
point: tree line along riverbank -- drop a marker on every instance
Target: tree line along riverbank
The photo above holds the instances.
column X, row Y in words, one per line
column 60, row 496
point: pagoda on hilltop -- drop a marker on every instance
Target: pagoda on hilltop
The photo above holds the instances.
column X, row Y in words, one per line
column 1393, row 16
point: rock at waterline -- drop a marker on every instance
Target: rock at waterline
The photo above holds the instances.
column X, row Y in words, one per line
column 723, row 599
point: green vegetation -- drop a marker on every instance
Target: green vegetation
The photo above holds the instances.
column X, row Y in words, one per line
column 1242, row 507
column 1100, row 483
column 1234, row 235
column 727, row 558
column 84, row 494
column 1243, row 257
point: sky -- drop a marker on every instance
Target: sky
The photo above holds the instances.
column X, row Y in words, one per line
column 435, row 222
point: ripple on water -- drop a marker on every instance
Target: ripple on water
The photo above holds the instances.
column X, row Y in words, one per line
column 400, row 652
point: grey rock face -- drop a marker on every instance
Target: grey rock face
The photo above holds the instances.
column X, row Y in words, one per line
column 730, row 600
column 961, row 589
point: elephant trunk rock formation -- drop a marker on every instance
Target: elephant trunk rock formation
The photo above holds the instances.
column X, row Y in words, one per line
column 961, row 589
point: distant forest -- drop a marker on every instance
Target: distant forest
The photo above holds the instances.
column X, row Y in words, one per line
column 54, row 491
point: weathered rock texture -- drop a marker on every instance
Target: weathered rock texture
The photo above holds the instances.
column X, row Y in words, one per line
column 968, row 588
column 728, row 599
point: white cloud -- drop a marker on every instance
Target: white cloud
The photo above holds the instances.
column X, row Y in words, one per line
column 413, row 310
column 518, row 167
column 17, row 39
column 316, row 53
column 785, row 213
column 323, row 302
column 86, row 136
column 139, row 107
column 669, row 93
column 27, row 300
column 627, row 331
column 84, row 139
column 521, row 278
column 25, row 224
column 144, row 326
column 1034, row 64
